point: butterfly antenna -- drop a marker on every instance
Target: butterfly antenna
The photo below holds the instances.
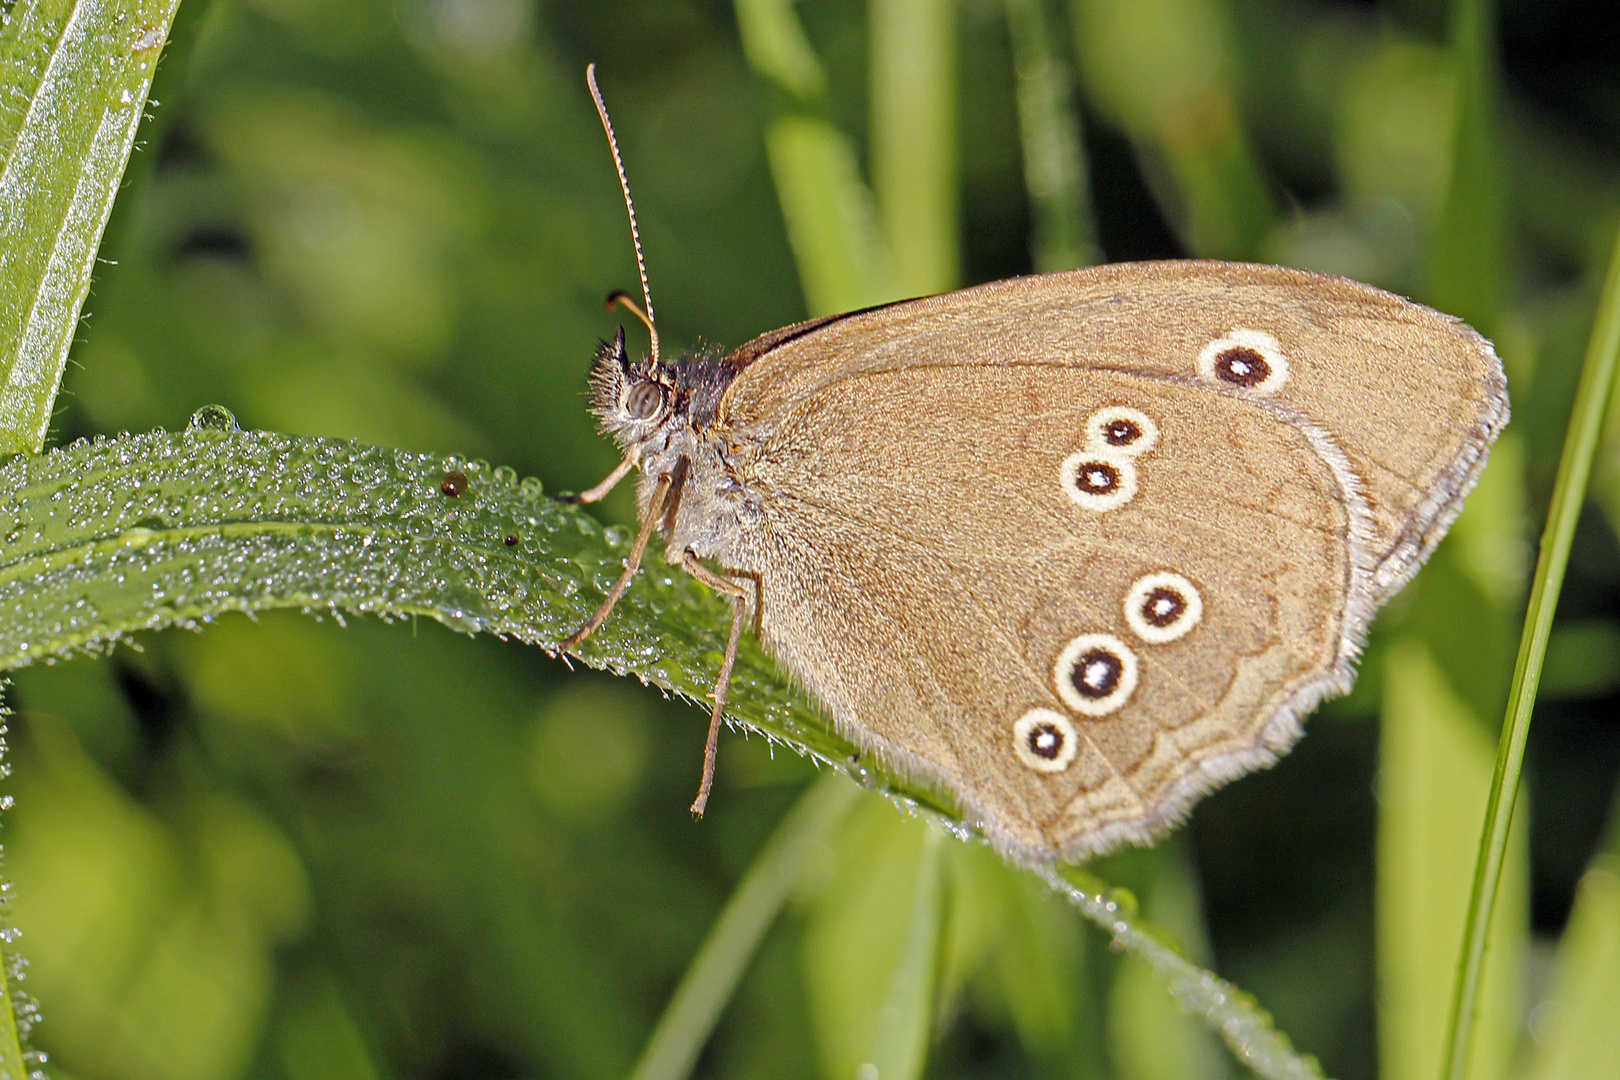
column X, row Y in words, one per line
column 620, row 298
column 635, row 233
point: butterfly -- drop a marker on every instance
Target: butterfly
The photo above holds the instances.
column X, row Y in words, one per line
column 1075, row 548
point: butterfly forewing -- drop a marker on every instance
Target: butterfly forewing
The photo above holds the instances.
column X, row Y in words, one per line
column 1414, row 398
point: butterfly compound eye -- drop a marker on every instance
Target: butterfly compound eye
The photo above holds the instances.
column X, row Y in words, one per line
column 644, row 401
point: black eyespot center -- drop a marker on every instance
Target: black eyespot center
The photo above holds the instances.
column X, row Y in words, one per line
column 1121, row 432
column 1096, row 478
column 1045, row 741
column 1242, row 366
column 644, row 401
column 1097, row 673
column 1163, row 606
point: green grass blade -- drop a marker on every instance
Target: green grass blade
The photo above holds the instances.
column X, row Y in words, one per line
column 1149, row 1036
column 11, row 1054
column 1162, row 71
column 1467, row 252
column 712, row 977
column 831, row 219
column 913, row 97
column 11, row 1051
column 318, row 1038
column 1013, row 939
column 147, row 531
column 871, row 945
column 1049, row 129
column 830, row 213
column 1246, row 1028
column 904, row 1024
column 1574, row 469
column 1435, row 761
column 73, row 84
column 775, row 45
column 1578, row 1034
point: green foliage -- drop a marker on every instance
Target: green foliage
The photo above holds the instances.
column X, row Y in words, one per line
column 1592, row 398
column 1576, row 1037
column 1436, row 760
column 75, row 77
column 142, row 532
column 289, row 848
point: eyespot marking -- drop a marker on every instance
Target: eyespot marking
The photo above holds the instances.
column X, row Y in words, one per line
column 1250, row 360
column 1120, row 429
column 1095, row 674
column 1162, row 607
column 1098, row 480
column 1045, row 740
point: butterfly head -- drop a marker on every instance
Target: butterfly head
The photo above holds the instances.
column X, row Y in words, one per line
column 643, row 402
column 635, row 399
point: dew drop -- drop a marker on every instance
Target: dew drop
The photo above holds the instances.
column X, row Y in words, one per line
column 213, row 418
column 1122, row 900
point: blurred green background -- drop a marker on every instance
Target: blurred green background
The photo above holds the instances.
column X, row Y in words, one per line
column 286, row 848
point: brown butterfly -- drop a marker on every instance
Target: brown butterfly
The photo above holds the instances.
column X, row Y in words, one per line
column 1077, row 548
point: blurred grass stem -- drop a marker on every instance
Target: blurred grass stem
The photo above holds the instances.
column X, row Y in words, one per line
column 913, row 141
column 712, row 977
column 906, row 1020
column 1468, row 252
column 776, row 47
column 1574, row 469
column 1228, row 1011
column 1054, row 161
column 11, row 1055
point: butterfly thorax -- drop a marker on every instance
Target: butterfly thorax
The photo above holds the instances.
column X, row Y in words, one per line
column 663, row 416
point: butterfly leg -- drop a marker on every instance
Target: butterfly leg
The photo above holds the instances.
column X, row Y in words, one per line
column 655, row 507
column 739, row 602
column 600, row 491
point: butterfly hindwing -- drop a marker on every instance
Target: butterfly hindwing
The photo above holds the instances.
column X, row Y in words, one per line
column 925, row 569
